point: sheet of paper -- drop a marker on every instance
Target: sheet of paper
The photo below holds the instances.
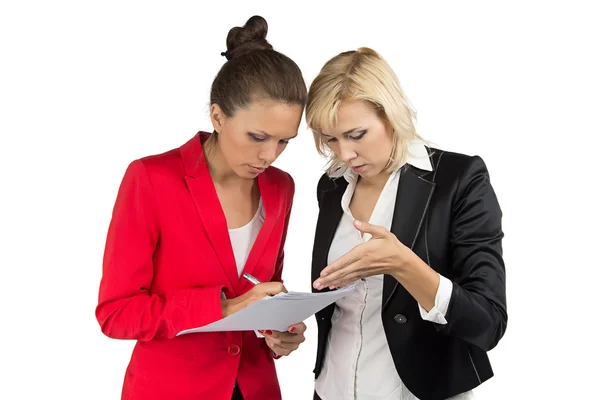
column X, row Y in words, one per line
column 275, row 313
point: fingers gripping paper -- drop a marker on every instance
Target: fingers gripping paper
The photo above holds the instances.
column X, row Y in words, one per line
column 275, row 313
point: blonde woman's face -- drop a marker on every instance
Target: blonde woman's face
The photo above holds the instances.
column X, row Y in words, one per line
column 361, row 139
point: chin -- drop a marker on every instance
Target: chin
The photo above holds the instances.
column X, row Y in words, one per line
column 244, row 173
column 370, row 173
column 367, row 174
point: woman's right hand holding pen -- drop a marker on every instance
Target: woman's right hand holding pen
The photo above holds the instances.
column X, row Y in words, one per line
column 281, row 343
column 259, row 291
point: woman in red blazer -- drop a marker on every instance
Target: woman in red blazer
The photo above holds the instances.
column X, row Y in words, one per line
column 187, row 223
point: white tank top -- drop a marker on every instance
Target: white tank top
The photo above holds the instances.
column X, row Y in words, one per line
column 242, row 238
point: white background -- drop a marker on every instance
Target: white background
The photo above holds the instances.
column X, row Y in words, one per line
column 86, row 87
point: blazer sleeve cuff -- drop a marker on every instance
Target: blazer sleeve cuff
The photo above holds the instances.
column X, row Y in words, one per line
column 442, row 299
column 203, row 305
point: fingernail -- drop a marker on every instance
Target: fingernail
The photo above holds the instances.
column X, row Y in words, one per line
column 358, row 223
column 268, row 332
column 324, row 273
column 318, row 285
column 293, row 329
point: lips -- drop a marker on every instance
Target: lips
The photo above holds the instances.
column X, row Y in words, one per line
column 256, row 170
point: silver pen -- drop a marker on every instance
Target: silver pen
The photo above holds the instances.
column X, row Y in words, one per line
column 254, row 281
column 251, row 278
column 248, row 277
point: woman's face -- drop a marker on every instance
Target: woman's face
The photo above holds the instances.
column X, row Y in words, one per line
column 253, row 138
column 360, row 138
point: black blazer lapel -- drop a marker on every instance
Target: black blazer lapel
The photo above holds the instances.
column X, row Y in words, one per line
column 412, row 201
column 330, row 214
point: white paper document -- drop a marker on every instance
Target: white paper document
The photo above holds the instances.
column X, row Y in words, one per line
column 275, row 313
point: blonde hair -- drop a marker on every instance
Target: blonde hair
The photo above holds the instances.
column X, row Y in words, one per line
column 360, row 75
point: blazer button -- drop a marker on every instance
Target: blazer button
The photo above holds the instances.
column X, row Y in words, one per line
column 234, row 350
column 399, row 318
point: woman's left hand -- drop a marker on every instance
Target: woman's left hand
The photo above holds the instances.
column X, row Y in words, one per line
column 284, row 343
column 382, row 254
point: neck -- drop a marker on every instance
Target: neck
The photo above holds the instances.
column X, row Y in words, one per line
column 376, row 182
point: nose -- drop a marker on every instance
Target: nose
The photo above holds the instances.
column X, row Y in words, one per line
column 268, row 153
column 346, row 151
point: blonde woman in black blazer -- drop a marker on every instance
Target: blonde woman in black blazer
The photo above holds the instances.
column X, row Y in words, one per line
column 418, row 229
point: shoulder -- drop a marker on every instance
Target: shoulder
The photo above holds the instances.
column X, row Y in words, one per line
column 454, row 166
column 465, row 178
column 157, row 168
column 449, row 159
column 280, row 178
column 327, row 183
column 284, row 185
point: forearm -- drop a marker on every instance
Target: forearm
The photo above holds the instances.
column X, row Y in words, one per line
column 146, row 317
column 420, row 280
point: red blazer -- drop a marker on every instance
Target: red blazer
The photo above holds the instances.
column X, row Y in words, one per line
column 167, row 258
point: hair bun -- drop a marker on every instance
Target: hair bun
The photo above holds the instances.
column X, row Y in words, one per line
column 251, row 37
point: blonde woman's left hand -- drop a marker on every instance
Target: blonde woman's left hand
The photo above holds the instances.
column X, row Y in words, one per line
column 382, row 254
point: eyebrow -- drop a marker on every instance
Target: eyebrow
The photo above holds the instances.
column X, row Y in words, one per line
column 345, row 133
column 269, row 135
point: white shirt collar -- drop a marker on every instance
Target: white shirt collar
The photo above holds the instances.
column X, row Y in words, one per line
column 418, row 157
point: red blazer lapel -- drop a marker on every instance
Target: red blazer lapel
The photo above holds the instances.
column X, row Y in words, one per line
column 270, row 193
column 204, row 195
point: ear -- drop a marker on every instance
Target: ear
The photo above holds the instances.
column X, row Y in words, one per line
column 217, row 117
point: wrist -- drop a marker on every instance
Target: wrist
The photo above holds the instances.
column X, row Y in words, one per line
column 228, row 306
column 225, row 305
column 404, row 262
column 231, row 306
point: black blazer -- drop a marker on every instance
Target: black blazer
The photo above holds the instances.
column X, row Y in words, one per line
column 449, row 217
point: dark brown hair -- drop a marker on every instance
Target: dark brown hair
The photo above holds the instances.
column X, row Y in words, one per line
column 255, row 71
